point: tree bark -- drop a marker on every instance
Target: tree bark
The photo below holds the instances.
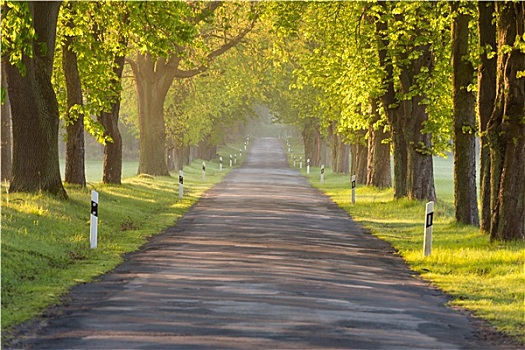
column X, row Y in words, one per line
column 420, row 169
column 465, row 192
column 486, row 100
column 392, row 110
column 75, row 151
column 152, row 84
column 312, row 143
column 361, row 163
column 113, row 149
column 359, row 158
column 506, row 129
column 6, row 137
column 34, row 109
column 378, row 168
column 340, row 151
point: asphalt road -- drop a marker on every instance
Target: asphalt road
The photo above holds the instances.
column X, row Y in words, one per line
column 263, row 261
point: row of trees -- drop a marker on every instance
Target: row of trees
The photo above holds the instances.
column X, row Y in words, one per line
column 401, row 76
column 68, row 59
column 385, row 78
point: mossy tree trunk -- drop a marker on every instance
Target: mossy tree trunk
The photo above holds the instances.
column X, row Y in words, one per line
column 486, row 99
column 34, row 109
column 506, row 128
column 378, row 168
column 465, row 192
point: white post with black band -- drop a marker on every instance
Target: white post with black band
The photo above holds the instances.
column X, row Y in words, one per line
column 181, row 184
column 429, row 218
column 93, row 237
column 353, row 189
column 322, row 174
column 203, row 170
column 308, row 166
column 220, row 163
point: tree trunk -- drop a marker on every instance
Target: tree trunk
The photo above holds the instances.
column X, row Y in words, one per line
column 419, row 166
column 152, row 87
column 359, row 158
column 361, row 163
column 5, row 167
column 170, row 154
column 113, row 149
column 379, row 171
column 465, row 192
column 506, row 129
column 340, row 151
column 34, row 109
column 312, row 143
column 486, row 99
column 343, row 156
column 75, row 151
column 205, row 150
column 396, row 119
column 182, row 156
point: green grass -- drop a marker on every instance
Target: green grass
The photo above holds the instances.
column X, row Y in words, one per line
column 45, row 241
column 486, row 278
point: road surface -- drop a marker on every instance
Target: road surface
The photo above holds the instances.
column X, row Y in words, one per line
column 263, row 261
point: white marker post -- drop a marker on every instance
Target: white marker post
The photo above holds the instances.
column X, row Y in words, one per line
column 429, row 218
column 245, row 145
column 353, row 189
column 203, row 170
column 294, row 161
column 300, row 162
column 93, row 237
column 322, row 174
column 308, row 166
column 220, row 163
column 240, row 153
column 235, row 159
column 231, row 160
column 181, row 184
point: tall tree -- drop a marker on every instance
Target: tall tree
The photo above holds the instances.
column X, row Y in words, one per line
column 112, row 173
column 506, row 126
column 34, row 105
column 486, row 99
column 465, row 193
column 379, row 171
column 411, row 63
column 93, row 38
column 75, row 169
column 155, row 69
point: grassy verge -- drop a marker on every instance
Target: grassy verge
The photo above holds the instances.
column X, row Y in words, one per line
column 45, row 241
column 485, row 278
